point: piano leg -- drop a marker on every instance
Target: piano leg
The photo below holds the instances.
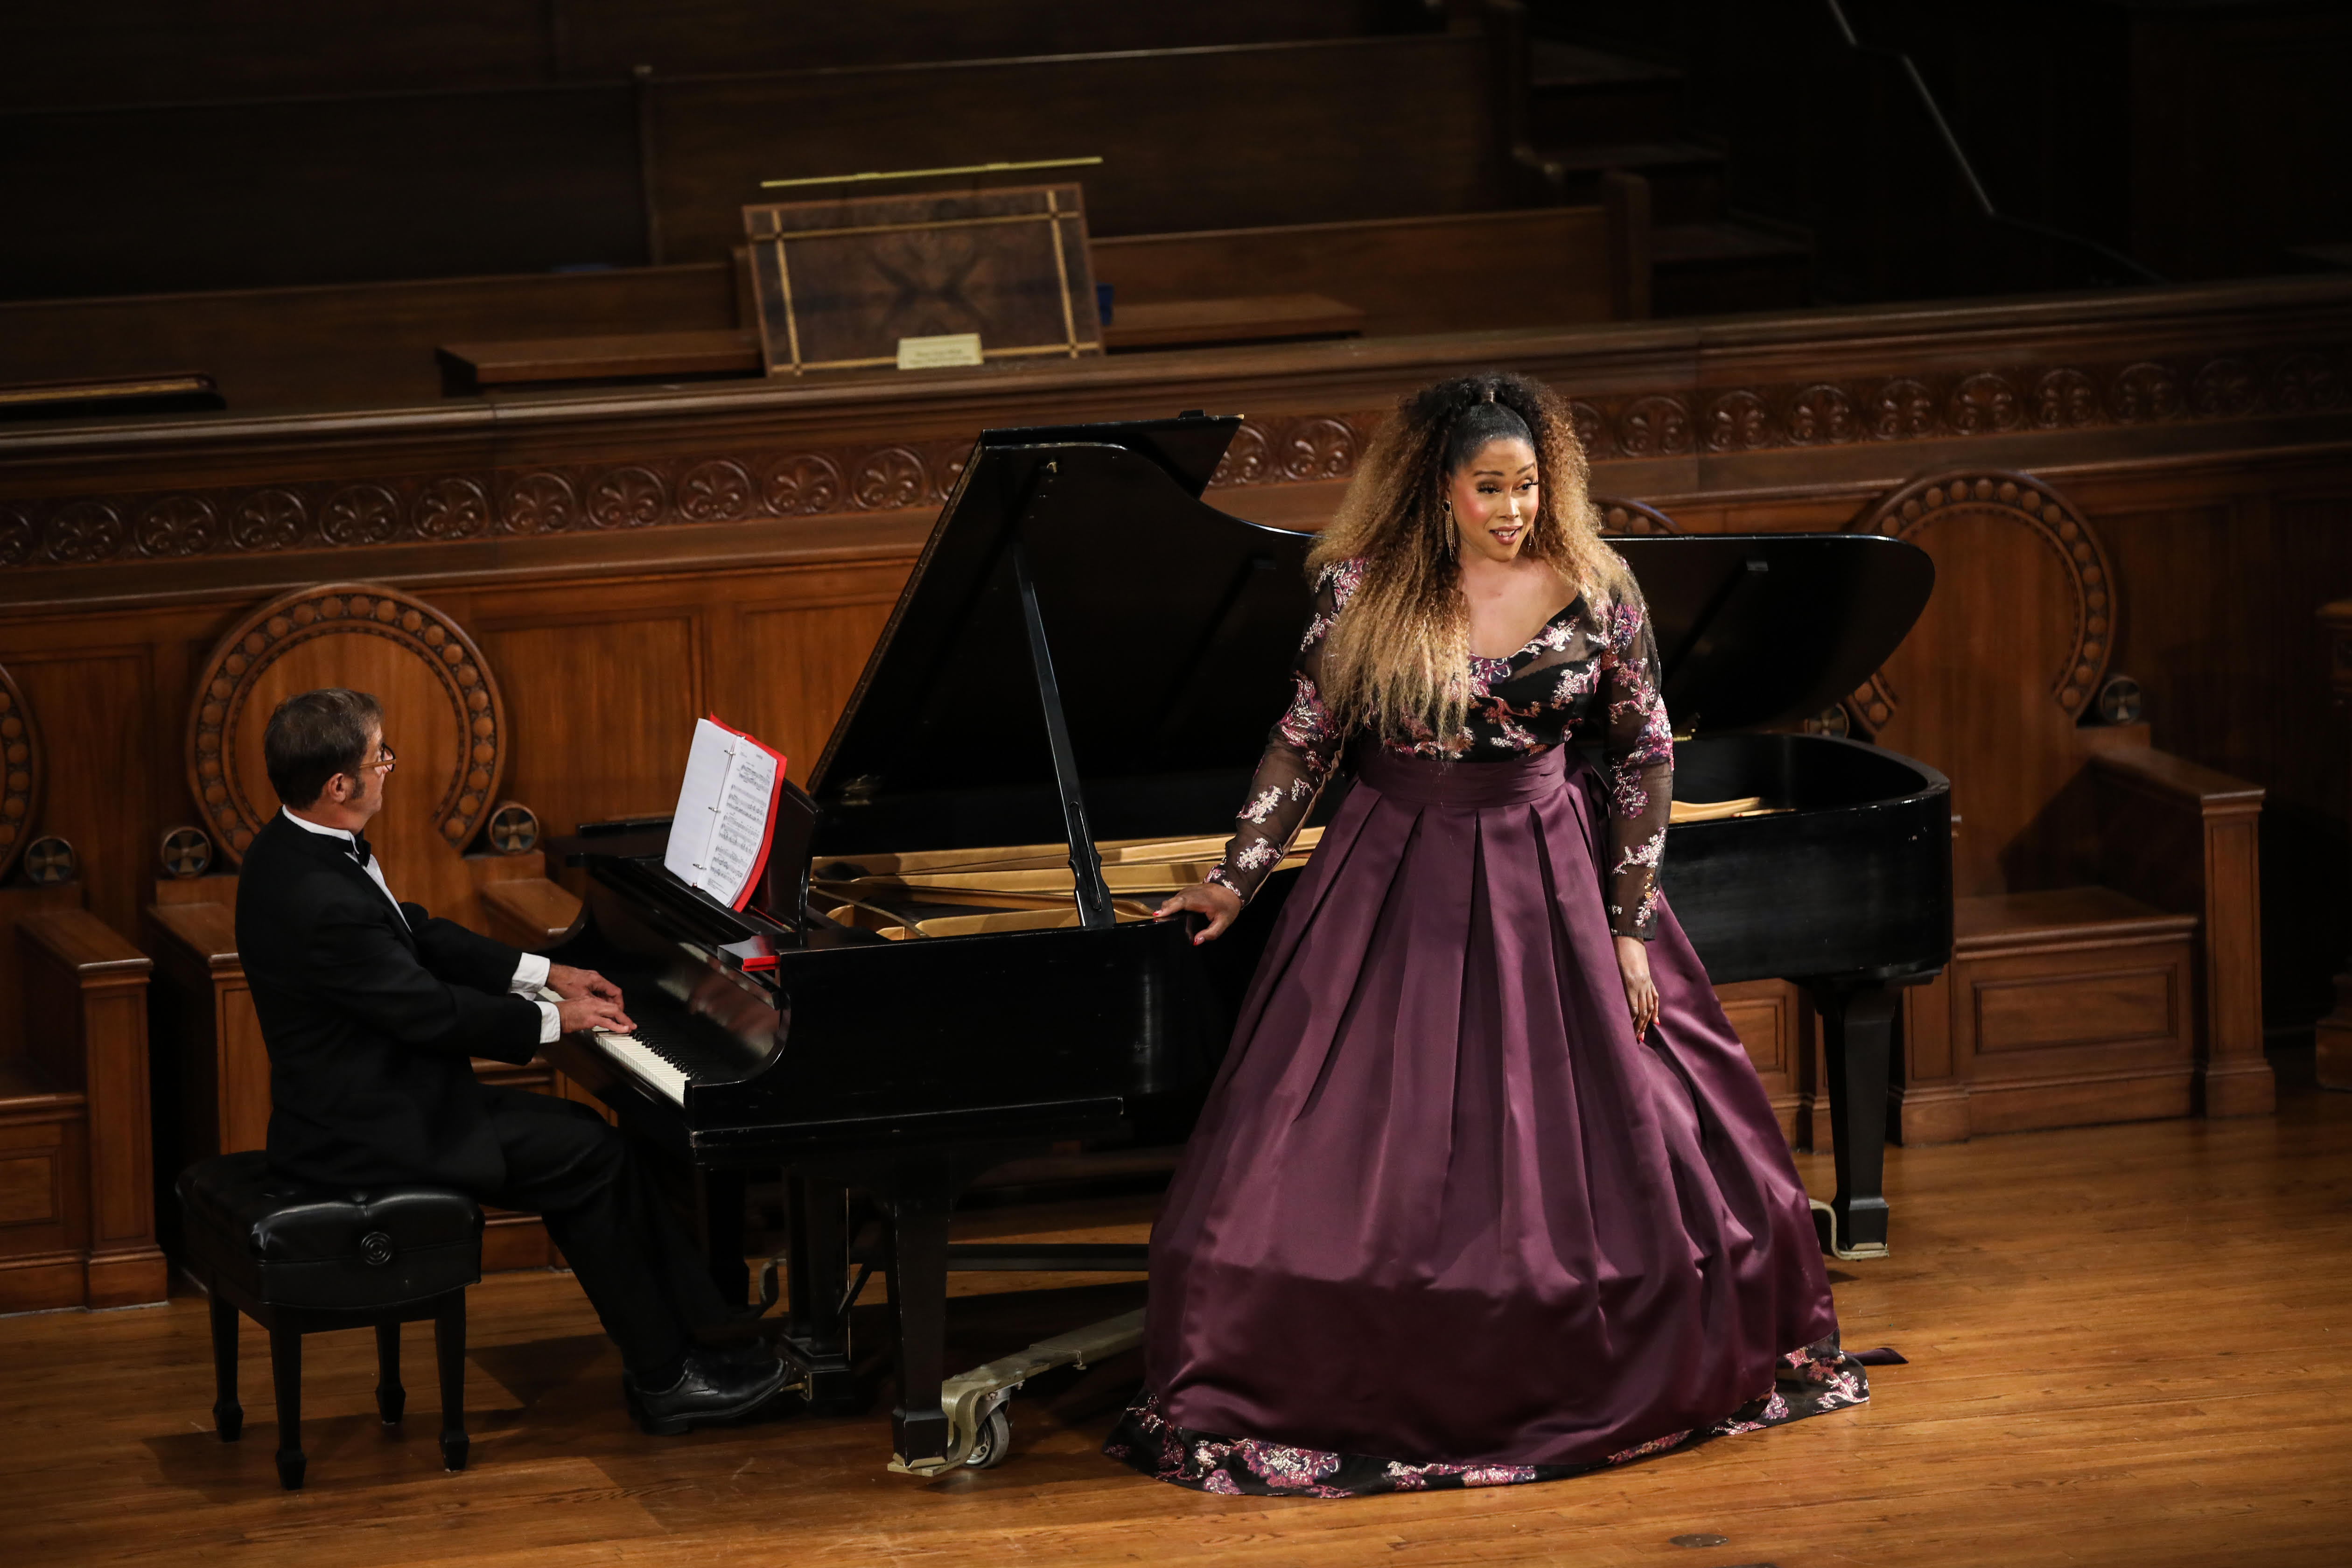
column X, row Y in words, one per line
column 718, row 1201
column 1857, row 1048
column 816, row 1320
column 915, row 1229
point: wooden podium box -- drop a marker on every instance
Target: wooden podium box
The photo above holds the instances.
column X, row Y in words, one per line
column 871, row 282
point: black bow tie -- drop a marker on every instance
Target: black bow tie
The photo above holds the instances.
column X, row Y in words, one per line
column 360, row 852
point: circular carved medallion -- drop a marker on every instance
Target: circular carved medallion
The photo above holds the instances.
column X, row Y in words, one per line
column 1586, row 422
column 187, row 852
column 626, row 498
column 1654, row 426
column 1823, row 414
column 442, row 707
column 1739, row 422
column 514, row 828
column 20, row 782
column 2119, row 700
column 538, row 503
column 803, row 482
column 2026, row 501
column 176, row 525
column 714, row 491
column 1249, row 457
column 360, row 514
column 267, row 520
column 50, row 861
column 1318, row 449
column 452, row 509
column 84, row 531
column 890, row 480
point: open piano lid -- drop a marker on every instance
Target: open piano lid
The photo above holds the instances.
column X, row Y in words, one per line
column 1762, row 629
column 1173, row 628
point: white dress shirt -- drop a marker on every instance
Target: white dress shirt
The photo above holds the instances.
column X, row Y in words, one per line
column 530, row 972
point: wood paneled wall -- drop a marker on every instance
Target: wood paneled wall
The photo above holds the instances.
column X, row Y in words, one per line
column 322, row 189
column 353, row 345
column 135, row 52
column 371, row 345
column 628, row 560
column 602, row 678
column 2201, row 138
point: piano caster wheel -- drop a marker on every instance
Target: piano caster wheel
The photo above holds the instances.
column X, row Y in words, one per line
column 992, row 1442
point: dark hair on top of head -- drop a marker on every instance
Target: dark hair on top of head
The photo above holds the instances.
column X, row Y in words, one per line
column 1399, row 660
column 1482, row 422
column 314, row 736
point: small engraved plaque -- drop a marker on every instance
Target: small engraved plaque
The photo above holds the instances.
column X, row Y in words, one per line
column 932, row 354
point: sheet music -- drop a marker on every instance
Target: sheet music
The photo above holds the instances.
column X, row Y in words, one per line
column 725, row 813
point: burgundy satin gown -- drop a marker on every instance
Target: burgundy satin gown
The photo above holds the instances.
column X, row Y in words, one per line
column 1446, row 1220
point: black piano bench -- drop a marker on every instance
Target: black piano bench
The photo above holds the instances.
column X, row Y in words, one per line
column 299, row 1259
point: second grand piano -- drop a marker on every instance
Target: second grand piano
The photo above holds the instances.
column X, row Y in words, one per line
column 956, row 965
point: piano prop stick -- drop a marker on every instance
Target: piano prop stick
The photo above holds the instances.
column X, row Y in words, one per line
column 964, row 970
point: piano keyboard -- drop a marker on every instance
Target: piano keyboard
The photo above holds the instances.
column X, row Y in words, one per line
column 644, row 1064
column 658, row 1059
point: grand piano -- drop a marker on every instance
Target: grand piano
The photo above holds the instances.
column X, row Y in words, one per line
column 951, row 963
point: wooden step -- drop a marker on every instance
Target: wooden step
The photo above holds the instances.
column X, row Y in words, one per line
column 1253, row 318
column 1723, row 267
column 1995, row 923
column 1579, row 95
column 1685, row 177
column 625, row 356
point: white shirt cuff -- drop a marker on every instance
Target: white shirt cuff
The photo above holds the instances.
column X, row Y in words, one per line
column 551, row 1023
column 530, row 975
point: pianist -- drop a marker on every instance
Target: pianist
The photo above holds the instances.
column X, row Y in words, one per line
column 371, row 1011
column 1487, row 1190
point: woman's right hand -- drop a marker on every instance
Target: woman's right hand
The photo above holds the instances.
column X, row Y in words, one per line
column 1214, row 900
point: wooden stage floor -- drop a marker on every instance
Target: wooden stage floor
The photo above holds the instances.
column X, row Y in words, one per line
column 2128, row 1345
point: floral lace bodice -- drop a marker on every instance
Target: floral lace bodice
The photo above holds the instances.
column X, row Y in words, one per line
column 1589, row 670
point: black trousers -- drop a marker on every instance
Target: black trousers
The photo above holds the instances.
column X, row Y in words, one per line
column 641, row 1271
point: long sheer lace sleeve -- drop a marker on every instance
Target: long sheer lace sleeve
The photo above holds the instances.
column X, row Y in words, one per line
column 1641, row 753
column 1300, row 753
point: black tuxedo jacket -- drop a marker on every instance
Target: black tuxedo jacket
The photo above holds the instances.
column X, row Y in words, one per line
column 371, row 1020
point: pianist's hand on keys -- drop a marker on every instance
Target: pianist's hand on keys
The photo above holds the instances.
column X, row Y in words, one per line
column 637, row 1058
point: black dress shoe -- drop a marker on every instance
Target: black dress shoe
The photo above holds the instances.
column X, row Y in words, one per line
column 714, row 1388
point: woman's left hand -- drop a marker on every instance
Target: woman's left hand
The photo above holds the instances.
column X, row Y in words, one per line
column 1641, row 993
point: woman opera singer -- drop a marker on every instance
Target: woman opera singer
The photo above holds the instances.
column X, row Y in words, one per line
column 1487, row 1190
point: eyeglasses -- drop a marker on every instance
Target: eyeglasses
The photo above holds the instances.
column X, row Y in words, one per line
column 382, row 762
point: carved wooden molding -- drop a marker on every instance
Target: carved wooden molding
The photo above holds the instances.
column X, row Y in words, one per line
column 339, row 609
column 2034, row 506
column 1619, row 518
column 20, row 784
column 720, row 488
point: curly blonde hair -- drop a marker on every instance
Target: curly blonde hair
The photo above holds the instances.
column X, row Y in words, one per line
column 1399, row 661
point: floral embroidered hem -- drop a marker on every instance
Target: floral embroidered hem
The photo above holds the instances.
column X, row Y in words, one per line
column 1813, row 1381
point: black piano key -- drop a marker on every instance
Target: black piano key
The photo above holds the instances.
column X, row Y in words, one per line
column 678, row 1047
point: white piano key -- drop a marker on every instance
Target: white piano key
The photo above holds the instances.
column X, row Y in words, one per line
column 635, row 1058
column 641, row 1064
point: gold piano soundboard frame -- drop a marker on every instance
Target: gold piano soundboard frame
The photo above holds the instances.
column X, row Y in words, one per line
column 1030, row 886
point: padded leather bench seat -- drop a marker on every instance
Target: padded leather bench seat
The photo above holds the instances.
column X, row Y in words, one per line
column 299, row 1257
column 295, row 1244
